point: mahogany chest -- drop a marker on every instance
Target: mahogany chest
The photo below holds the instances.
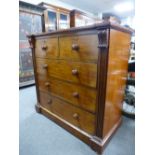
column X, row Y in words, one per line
column 80, row 78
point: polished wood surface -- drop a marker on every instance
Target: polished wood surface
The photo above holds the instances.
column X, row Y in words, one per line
column 76, row 72
column 116, row 78
column 79, row 47
column 80, row 118
column 103, row 37
column 47, row 48
column 77, row 95
column 85, row 29
column 54, row 7
column 82, row 88
column 84, row 136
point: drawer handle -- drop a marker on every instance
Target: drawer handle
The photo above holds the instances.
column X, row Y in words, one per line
column 45, row 66
column 76, row 116
column 49, row 101
column 75, row 72
column 76, row 94
column 44, row 47
column 47, row 84
column 75, row 47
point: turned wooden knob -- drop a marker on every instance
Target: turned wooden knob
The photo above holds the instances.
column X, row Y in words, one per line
column 49, row 101
column 75, row 47
column 44, row 47
column 45, row 66
column 76, row 94
column 75, row 72
column 76, row 116
column 47, row 84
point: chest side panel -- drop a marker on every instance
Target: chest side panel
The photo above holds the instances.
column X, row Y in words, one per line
column 116, row 77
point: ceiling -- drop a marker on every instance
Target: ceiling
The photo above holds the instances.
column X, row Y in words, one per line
column 100, row 6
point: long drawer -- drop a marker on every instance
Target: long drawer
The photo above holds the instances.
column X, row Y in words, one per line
column 82, row 47
column 46, row 48
column 77, row 95
column 76, row 116
column 77, row 72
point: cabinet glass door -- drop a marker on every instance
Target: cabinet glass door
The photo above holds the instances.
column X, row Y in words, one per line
column 63, row 21
column 52, row 21
column 28, row 23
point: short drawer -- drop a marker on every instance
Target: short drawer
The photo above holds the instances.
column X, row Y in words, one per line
column 77, row 72
column 78, row 95
column 46, row 48
column 82, row 47
column 78, row 117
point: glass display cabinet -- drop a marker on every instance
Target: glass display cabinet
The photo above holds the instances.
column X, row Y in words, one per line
column 56, row 18
column 51, row 20
column 63, row 21
column 30, row 21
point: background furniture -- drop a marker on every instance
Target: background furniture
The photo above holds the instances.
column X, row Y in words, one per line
column 78, row 18
column 30, row 21
column 55, row 17
column 80, row 78
column 111, row 18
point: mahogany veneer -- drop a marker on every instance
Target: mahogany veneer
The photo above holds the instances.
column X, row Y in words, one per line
column 80, row 78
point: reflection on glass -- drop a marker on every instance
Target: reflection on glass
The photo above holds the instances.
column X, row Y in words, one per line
column 52, row 21
column 63, row 24
column 28, row 23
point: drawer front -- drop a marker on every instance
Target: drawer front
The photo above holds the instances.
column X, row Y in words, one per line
column 75, row 94
column 77, row 72
column 47, row 48
column 82, row 47
column 80, row 118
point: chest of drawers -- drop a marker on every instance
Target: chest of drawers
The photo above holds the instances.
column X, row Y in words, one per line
column 80, row 78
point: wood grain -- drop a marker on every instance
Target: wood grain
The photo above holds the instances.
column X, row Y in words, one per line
column 87, row 47
column 79, row 86
column 102, row 79
column 116, row 78
column 77, row 95
column 78, row 117
column 87, row 72
column 47, row 48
